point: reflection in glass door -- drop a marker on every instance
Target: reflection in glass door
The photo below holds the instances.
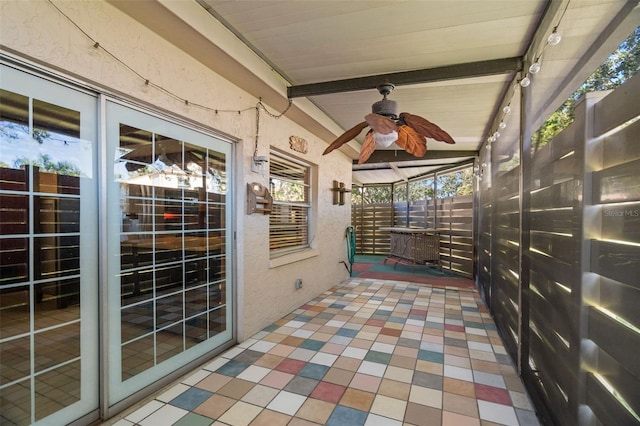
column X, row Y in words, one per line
column 169, row 264
column 48, row 256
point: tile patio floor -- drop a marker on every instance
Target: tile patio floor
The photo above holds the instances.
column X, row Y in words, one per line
column 366, row 352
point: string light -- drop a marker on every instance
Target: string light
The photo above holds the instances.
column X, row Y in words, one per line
column 96, row 47
column 535, row 67
column 552, row 40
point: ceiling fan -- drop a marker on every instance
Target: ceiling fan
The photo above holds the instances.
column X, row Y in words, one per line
column 408, row 131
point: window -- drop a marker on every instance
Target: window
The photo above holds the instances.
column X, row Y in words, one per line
column 290, row 187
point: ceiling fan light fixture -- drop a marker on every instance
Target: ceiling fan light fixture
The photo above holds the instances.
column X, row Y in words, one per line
column 385, row 141
column 406, row 130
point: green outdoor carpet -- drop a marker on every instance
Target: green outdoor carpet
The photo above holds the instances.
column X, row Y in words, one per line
column 374, row 266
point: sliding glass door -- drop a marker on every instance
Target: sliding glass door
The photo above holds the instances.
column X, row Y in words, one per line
column 168, row 247
column 115, row 252
column 48, row 251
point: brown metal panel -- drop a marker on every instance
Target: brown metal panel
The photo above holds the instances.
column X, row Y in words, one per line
column 620, row 299
column 620, row 262
column 625, row 383
column 565, row 142
column 617, row 184
column 560, row 247
column 560, row 222
column 621, row 222
column 618, row 107
column 608, row 410
column 619, row 147
column 554, row 399
column 548, row 297
column 615, row 339
column 562, row 194
column 549, row 353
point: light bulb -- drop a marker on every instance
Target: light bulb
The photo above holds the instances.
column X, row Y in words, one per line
column 488, row 147
column 502, row 125
column 496, row 135
column 507, row 109
column 554, row 38
column 535, row 67
column 525, row 82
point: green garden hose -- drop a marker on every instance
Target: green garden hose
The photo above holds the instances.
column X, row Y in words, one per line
column 350, row 235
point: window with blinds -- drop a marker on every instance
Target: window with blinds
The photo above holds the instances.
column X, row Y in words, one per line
column 289, row 184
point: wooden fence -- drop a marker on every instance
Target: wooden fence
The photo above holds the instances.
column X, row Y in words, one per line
column 452, row 217
column 562, row 230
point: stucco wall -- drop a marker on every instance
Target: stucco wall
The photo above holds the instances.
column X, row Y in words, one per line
column 36, row 31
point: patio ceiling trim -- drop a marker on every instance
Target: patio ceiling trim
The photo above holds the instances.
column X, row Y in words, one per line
column 449, row 72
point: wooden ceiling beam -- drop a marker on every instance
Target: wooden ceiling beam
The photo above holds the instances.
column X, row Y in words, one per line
column 448, row 72
column 396, row 156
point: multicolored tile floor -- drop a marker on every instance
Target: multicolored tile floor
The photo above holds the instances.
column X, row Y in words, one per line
column 366, row 352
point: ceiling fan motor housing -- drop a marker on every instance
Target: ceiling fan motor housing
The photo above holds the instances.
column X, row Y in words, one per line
column 385, row 107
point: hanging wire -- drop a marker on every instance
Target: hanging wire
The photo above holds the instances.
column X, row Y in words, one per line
column 96, row 45
column 255, row 150
column 260, row 106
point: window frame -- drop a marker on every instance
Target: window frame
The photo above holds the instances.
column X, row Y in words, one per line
column 305, row 168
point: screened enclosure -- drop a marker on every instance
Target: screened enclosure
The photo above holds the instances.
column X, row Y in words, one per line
column 441, row 201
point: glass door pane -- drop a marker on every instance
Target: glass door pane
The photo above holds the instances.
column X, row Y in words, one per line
column 48, row 256
column 169, row 255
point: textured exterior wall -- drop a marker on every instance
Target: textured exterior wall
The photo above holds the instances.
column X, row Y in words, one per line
column 36, row 31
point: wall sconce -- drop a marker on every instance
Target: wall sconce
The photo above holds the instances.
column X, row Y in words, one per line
column 338, row 192
column 259, row 164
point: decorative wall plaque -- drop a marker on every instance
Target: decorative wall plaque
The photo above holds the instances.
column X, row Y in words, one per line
column 339, row 190
column 298, row 144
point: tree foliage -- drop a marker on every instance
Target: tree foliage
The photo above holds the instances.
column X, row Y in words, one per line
column 46, row 164
column 452, row 184
column 620, row 66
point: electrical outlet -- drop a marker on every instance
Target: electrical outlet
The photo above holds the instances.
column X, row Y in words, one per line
column 299, row 283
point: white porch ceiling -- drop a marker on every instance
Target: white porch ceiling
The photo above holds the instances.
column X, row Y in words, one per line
column 315, row 41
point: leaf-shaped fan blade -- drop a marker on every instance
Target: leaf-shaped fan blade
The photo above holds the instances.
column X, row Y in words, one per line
column 426, row 128
column 411, row 141
column 345, row 137
column 380, row 123
column 368, row 146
